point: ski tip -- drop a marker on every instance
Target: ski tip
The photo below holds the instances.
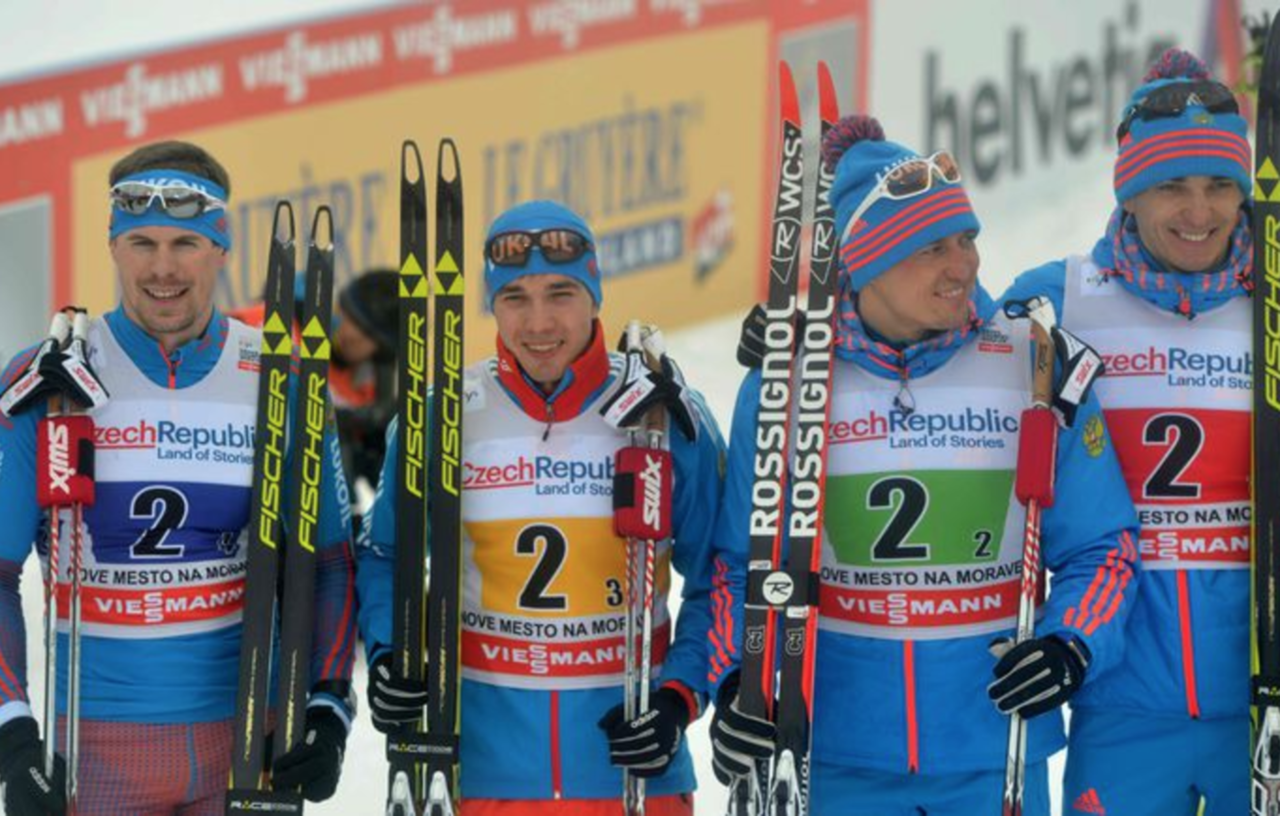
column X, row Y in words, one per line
column 282, row 222
column 448, row 164
column 410, row 160
column 789, row 101
column 323, row 216
column 828, row 102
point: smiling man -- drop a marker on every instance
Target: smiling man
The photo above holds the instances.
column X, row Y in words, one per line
column 922, row 537
column 543, row 730
column 166, row 536
column 1168, row 282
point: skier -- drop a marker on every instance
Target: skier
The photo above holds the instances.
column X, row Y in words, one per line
column 922, row 540
column 165, row 546
column 543, row 598
column 1163, row 296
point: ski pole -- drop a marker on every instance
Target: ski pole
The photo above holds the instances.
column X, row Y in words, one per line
column 1037, row 448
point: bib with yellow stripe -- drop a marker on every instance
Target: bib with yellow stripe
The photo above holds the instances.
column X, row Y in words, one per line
column 544, row 594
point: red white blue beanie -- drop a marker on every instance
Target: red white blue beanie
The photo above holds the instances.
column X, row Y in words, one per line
column 889, row 231
column 1197, row 142
column 534, row 216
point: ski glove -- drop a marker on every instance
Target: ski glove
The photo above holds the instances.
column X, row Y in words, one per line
column 738, row 740
column 315, row 763
column 27, row 791
column 751, row 342
column 394, row 702
column 1037, row 675
column 646, row 745
column 642, row 389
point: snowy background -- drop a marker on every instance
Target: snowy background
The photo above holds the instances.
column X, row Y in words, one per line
column 38, row 37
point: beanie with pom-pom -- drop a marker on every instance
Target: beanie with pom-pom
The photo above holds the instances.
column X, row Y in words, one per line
column 1187, row 134
column 889, row 230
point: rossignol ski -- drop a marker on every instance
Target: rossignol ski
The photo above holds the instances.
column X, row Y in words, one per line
column 766, row 583
column 249, row 788
column 444, row 492
column 311, row 412
column 789, row 789
column 1266, row 436
column 407, row 784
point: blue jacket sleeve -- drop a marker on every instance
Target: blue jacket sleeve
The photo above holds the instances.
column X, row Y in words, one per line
column 696, row 496
column 1090, row 537
column 731, row 537
column 333, row 651
column 375, row 555
column 1047, row 280
column 22, row 521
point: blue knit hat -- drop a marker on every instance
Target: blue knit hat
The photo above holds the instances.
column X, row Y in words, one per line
column 534, row 216
column 1196, row 142
column 889, row 231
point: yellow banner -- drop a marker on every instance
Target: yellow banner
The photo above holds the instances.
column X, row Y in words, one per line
column 657, row 143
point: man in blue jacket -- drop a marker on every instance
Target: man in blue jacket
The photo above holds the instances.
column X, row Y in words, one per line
column 922, row 539
column 1164, row 297
column 544, row 577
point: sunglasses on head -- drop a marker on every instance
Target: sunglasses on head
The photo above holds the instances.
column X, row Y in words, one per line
column 1169, row 101
column 559, row 246
column 908, row 180
column 176, row 198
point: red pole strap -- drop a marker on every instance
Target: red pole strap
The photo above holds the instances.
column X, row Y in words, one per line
column 1037, row 452
column 64, row 461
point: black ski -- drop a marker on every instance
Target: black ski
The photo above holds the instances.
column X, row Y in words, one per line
column 444, row 491
column 407, row 783
column 311, row 410
column 766, row 584
column 249, row 788
column 789, row 794
column 1266, row 435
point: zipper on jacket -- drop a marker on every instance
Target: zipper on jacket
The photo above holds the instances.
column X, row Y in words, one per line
column 557, row 782
column 1188, row 649
column 909, row 692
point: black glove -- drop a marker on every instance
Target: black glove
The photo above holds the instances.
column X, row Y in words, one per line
column 646, row 745
column 641, row 389
column 751, row 341
column 315, row 763
column 27, row 791
column 1037, row 675
column 737, row 740
column 394, row 702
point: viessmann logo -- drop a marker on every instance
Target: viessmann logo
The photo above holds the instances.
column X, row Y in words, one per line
column 546, row 474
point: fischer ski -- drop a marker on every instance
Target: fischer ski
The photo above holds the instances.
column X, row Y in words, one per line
column 767, row 584
column 249, row 788
column 424, row 759
column 407, row 781
column 1265, row 793
column 444, row 492
column 311, row 412
column 789, row 790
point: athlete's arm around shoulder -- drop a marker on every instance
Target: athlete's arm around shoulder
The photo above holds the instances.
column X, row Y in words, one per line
column 1047, row 280
column 1090, row 537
